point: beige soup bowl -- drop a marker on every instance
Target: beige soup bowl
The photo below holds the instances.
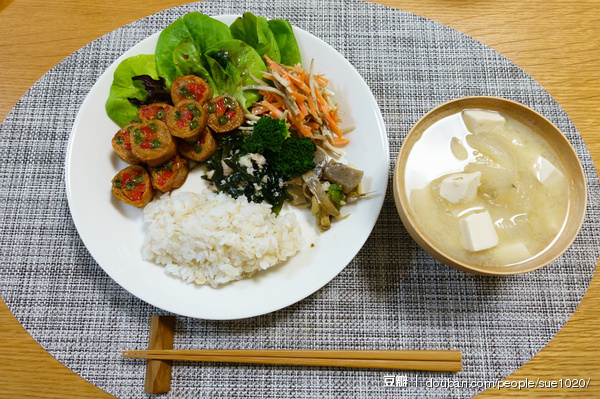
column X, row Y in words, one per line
column 572, row 166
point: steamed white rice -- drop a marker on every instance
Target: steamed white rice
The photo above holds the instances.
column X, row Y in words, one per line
column 211, row 238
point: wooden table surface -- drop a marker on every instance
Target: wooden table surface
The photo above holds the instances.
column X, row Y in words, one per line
column 555, row 41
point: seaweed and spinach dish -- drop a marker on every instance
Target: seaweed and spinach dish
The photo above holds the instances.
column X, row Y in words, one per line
column 237, row 100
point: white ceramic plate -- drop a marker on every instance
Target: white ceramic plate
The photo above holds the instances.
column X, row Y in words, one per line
column 113, row 232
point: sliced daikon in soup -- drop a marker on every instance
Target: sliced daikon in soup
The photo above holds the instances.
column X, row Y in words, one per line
column 520, row 187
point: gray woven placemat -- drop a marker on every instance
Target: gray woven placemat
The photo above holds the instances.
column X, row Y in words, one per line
column 391, row 296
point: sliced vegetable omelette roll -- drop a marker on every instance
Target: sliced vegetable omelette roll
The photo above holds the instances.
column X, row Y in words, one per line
column 154, row 111
column 132, row 186
column 224, row 114
column 199, row 150
column 121, row 143
column 169, row 175
column 190, row 87
column 188, row 119
column 152, row 143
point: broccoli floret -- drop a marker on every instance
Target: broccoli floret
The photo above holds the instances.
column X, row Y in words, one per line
column 289, row 156
column 295, row 157
column 267, row 136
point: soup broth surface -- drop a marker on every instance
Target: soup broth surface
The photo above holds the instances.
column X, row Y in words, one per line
column 521, row 184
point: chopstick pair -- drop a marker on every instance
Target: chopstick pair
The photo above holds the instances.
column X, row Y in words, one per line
column 160, row 357
column 377, row 359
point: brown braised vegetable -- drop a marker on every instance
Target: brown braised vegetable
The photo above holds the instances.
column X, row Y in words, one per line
column 132, row 186
column 343, row 175
column 154, row 111
column 170, row 175
column 224, row 114
column 188, row 119
column 152, row 143
column 190, row 87
column 199, row 150
column 122, row 144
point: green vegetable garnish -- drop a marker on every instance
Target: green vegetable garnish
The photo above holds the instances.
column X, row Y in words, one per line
column 295, row 157
column 120, row 140
column 117, row 183
column 259, row 183
column 196, row 112
column 212, row 108
column 193, row 124
column 187, row 60
column 153, row 127
column 229, row 103
column 118, row 107
column 231, row 63
column 183, row 91
column 133, row 182
column 267, row 136
column 199, row 45
column 256, row 32
column 336, row 195
column 223, row 120
column 155, row 143
column 286, row 41
column 197, row 148
column 181, row 45
column 165, row 166
column 177, row 115
column 160, row 113
column 191, row 106
column 137, row 136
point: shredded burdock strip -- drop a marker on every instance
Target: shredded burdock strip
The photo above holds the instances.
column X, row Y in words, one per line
column 303, row 100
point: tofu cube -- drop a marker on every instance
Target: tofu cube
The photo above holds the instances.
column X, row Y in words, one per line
column 480, row 121
column 512, row 253
column 478, row 232
column 547, row 173
column 460, row 187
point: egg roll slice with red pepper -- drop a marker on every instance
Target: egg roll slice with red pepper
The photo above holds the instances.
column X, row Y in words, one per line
column 187, row 120
column 153, row 111
column 132, row 186
column 190, row 87
column 152, row 143
column 121, row 143
column 200, row 149
column 224, row 114
column 169, row 175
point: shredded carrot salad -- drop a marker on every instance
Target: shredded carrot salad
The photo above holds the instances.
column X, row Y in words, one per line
column 302, row 98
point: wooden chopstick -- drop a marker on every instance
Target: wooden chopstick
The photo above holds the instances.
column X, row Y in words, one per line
column 394, row 360
column 440, row 355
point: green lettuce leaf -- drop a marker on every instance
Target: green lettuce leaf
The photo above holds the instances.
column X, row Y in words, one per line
column 206, row 31
column 227, row 78
column 168, row 41
column 188, row 61
column 286, row 41
column 118, row 108
column 230, row 64
column 256, row 32
column 189, row 36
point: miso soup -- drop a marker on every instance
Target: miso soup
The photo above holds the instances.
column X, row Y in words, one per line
column 486, row 189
